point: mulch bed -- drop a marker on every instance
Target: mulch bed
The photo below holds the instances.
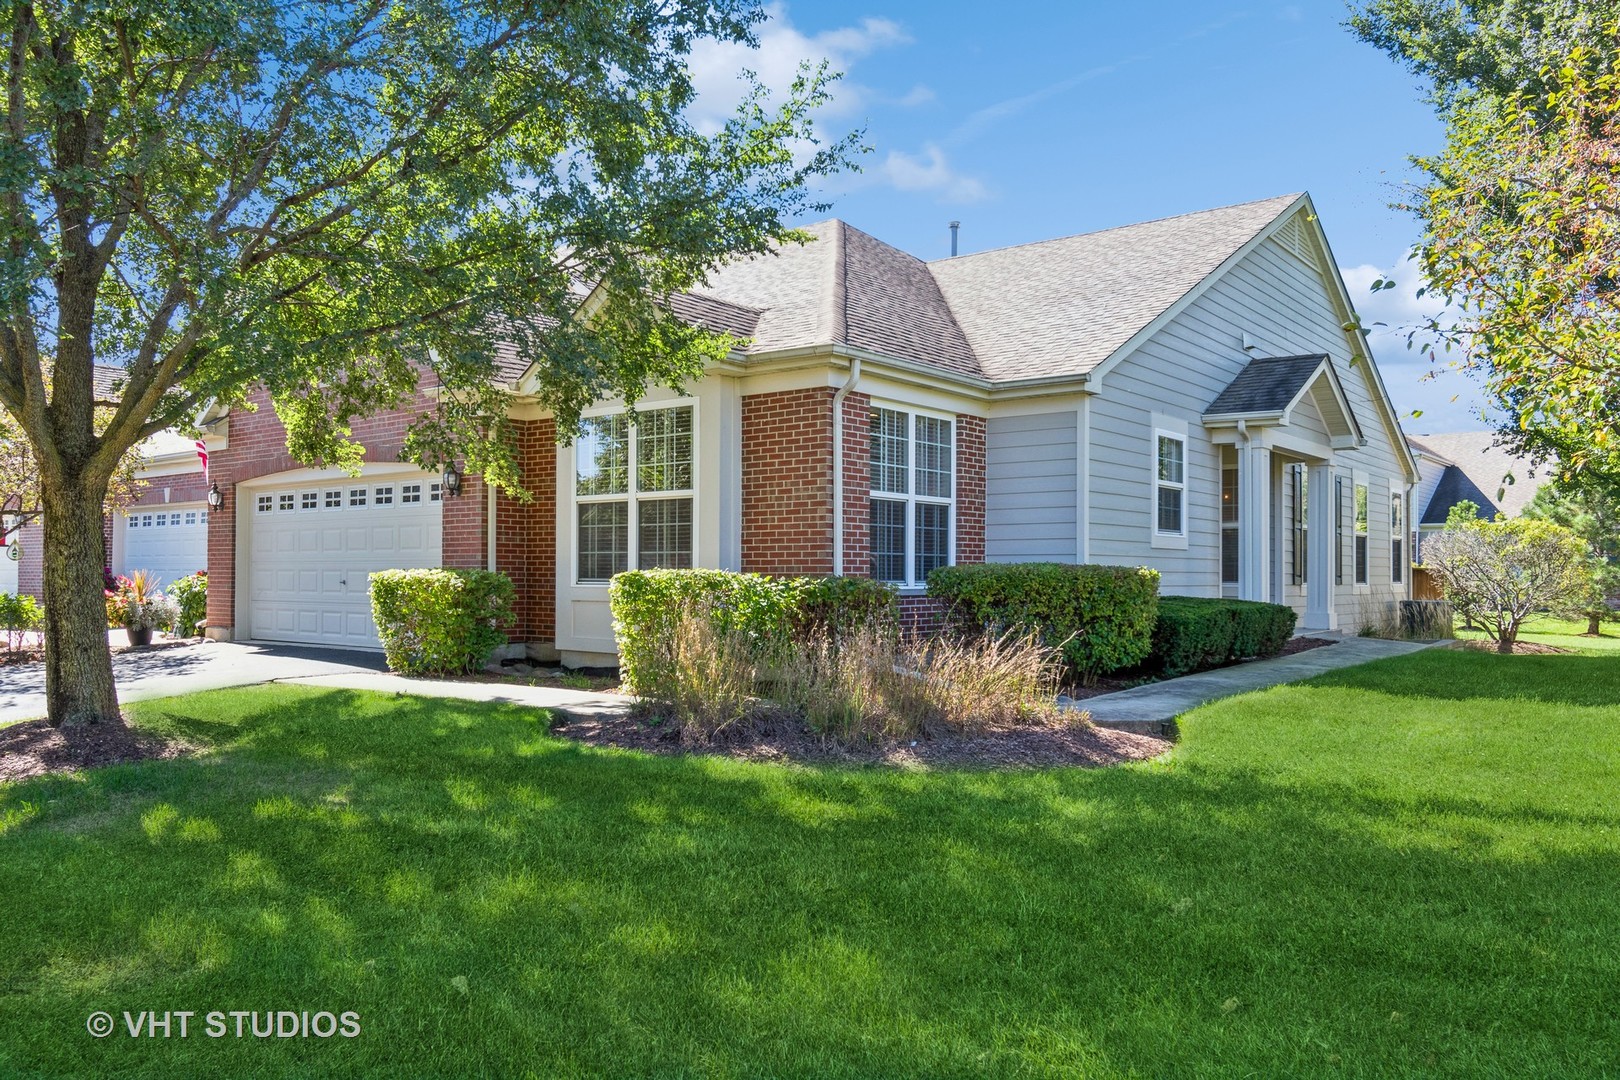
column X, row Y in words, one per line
column 1111, row 684
column 34, row 748
column 789, row 740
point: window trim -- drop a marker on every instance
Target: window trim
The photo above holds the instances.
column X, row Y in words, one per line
column 1361, row 533
column 910, row 499
column 1171, row 428
column 631, row 495
column 1397, row 535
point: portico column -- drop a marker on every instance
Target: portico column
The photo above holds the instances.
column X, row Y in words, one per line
column 1319, row 613
column 1254, row 522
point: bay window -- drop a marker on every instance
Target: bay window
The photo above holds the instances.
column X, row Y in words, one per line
column 633, row 488
column 913, row 495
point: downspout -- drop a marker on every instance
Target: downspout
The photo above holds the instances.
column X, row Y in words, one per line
column 838, row 463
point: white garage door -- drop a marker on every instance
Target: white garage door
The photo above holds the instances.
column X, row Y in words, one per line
column 8, row 568
column 313, row 547
column 170, row 542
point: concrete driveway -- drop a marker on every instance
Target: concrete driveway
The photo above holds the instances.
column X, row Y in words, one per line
column 184, row 669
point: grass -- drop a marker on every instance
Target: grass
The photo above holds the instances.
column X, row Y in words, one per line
column 1402, row 869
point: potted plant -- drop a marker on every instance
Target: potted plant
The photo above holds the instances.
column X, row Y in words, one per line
column 135, row 604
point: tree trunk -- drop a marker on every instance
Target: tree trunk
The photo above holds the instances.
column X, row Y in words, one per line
column 1594, row 625
column 78, row 667
column 1504, row 644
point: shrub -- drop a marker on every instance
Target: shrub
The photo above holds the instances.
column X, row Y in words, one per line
column 1196, row 634
column 190, row 594
column 19, row 615
column 765, row 613
column 440, row 621
column 1101, row 617
column 1499, row 573
column 873, row 686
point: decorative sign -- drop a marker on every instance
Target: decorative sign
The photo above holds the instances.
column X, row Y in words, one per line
column 14, row 552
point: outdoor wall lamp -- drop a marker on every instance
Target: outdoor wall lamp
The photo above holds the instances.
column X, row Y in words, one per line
column 452, row 480
column 216, row 497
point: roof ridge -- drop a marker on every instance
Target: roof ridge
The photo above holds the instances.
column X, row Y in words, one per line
column 1291, row 198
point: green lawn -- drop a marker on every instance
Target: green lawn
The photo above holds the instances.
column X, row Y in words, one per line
column 1408, row 868
column 1562, row 633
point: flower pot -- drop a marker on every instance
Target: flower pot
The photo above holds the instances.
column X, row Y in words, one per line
column 139, row 635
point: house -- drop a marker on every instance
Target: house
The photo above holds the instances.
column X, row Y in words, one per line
column 1469, row 466
column 1181, row 394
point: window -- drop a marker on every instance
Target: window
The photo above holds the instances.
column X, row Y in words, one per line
column 384, row 496
column 334, row 499
column 641, row 515
column 1338, row 530
column 913, row 495
column 410, row 493
column 202, row 517
column 284, row 501
column 1397, row 537
column 1361, row 534
column 357, row 496
column 1229, row 516
column 433, row 492
column 191, row 517
column 1299, row 489
column 135, row 521
column 1169, row 484
column 264, row 504
column 308, row 500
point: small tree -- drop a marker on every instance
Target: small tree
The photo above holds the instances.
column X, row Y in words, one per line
column 1499, row 573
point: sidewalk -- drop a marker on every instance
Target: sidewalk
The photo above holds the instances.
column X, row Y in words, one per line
column 1152, row 709
column 575, row 702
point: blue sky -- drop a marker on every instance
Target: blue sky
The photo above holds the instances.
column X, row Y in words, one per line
column 1053, row 119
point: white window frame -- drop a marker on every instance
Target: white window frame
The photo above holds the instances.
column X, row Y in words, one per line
column 1397, row 535
column 1167, row 427
column 911, row 499
column 1361, row 531
column 631, row 495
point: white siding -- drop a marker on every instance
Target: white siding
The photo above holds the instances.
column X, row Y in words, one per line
column 1030, row 488
column 1286, row 309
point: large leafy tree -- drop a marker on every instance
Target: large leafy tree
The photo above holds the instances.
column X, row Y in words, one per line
column 1521, row 212
column 341, row 201
column 1593, row 514
column 1499, row 573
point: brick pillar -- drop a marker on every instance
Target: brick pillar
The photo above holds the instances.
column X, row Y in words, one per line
column 466, row 543
column 969, row 489
column 858, row 485
column 526, row 533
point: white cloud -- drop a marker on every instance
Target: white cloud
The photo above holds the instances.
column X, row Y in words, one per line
column 930, row 172
column 1420, row 376
column 717, row 67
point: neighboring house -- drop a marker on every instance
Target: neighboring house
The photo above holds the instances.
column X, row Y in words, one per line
column 1180, row 394
column 164, row 531
column 1469, row 466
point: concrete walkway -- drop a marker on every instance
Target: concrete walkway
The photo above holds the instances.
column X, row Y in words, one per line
column 213, row 665
column 1152, row 709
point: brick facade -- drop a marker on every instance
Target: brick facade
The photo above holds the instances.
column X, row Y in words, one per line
column 787, row 517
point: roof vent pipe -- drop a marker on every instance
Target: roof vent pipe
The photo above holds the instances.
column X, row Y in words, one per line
column 954, row 226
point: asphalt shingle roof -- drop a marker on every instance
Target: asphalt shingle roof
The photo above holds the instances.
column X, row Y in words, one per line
column 1267, row 385
column 1053, row 308
column 1477, row 470
column 1062, row 307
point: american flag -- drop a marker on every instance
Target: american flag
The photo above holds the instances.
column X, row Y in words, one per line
column 202, row 452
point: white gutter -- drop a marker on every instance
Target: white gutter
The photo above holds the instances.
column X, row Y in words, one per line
column 838, row 464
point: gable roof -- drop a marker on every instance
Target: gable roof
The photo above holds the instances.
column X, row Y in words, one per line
column 1062, row 307
column 845, row 287
column 1476, row 469
column 1269, row 384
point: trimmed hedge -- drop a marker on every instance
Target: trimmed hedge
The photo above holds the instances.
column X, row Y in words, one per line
column 435, row 622
column 647, row 605
column 1197, row 633
column 1102, row 617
